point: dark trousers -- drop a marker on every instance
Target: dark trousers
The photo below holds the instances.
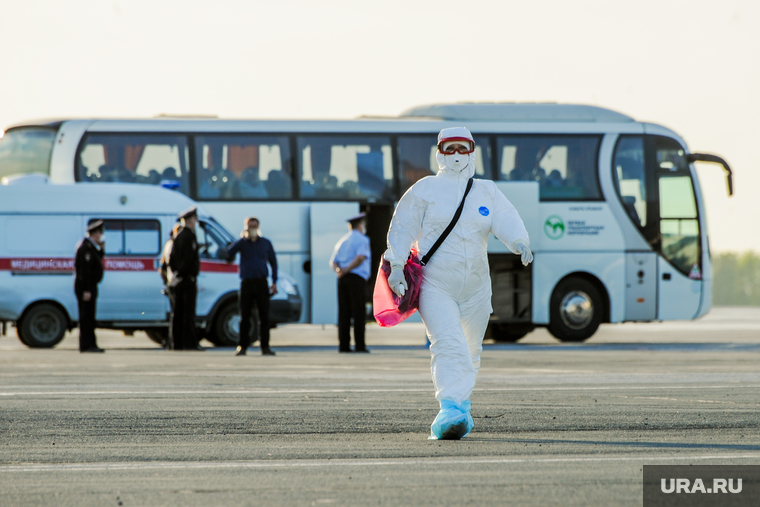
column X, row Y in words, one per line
column 351, row 298
column 182, row 329
column 254, row 291
column 87, row 321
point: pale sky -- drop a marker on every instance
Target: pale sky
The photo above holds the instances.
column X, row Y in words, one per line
column 693, row 66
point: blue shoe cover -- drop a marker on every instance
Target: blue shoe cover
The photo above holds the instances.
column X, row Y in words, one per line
column 453, row 421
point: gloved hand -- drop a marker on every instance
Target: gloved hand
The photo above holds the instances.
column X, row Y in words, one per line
column 526, row 256
column 396, row 280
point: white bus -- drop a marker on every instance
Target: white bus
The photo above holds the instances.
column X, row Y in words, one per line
column 613, row 206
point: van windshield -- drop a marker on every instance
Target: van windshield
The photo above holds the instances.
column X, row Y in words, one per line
column 25, row 150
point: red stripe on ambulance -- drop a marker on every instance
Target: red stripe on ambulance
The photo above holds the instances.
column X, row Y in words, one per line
column 218, row 267
column 64, row 265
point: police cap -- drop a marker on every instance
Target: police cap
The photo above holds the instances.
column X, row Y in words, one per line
column 189, row 212
column 358, row 217
column 95, row 226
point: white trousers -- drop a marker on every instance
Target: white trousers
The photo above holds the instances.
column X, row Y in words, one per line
column 455, row 329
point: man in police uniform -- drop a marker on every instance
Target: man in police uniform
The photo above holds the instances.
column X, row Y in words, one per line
column 185, row 264
column 88, row 266
column 351, row 262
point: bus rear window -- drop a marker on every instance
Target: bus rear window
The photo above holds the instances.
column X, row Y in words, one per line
column 155, row 159
column 26, row 150
column 565, row 167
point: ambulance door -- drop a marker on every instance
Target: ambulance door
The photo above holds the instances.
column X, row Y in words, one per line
column 217, row 276
column 328, row 225
column 131, row 286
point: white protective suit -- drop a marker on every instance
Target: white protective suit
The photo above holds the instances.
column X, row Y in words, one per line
column 455, row 301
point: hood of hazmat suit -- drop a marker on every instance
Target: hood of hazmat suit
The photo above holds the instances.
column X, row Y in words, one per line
column 455, row 301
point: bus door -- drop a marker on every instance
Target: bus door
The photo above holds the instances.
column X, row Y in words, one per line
column 656, row 189
column 379, row 217
column 679, row 234
column 327, row 225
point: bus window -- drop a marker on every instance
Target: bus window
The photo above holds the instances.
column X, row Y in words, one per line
column 26, row 150
column 345, row 167
column 416, row 155
column 628, row 173
column 242, row 167
column 679, row 219
column 564, row 166
column 154, row 159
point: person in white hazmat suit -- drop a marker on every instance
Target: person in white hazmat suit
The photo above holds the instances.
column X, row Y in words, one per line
column 455, row 300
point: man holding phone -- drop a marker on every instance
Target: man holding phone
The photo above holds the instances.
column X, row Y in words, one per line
column 255, row 253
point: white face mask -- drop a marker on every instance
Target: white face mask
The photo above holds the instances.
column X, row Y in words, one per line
column 456, row 162
column 253, row 231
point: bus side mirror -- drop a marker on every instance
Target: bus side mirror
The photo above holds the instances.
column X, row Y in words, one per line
column 714, row 159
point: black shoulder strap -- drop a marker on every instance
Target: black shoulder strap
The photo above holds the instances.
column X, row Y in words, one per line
column 448, row 230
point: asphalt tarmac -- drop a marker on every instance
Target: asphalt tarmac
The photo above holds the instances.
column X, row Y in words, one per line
column 555, row 424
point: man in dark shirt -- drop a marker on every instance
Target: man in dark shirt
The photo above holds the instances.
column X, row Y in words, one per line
column 185, row 264
column 255, row 252
column 88, row 266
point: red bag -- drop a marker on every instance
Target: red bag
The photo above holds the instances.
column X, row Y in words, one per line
column 390, row 309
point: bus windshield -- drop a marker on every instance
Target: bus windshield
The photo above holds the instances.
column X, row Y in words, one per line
column 25, row 150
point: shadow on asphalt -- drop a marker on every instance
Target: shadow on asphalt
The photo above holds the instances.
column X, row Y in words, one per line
column 678, row 347
column 621, row 443
column 517, row 347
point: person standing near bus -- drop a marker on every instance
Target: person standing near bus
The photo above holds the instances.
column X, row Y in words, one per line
column 255, row 253
column 88, row 273
column 184, row 263
column 455, row 297
column 351, row 262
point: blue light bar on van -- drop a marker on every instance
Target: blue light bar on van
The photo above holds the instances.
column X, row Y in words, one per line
column 170, row 184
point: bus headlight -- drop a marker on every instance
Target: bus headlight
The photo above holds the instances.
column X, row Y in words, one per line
column 287, row 287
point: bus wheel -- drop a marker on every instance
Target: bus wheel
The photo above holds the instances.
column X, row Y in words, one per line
column 42, row 326
column 226, row 329
column 158, row 334
column 576, row 310
column 509, row 333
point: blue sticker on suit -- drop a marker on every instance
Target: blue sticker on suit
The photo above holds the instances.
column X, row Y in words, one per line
column 483, row 211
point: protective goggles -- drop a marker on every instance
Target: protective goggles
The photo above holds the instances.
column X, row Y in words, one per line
column 460, row 145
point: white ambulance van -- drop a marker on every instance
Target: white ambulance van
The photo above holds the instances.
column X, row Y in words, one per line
column 40, row 225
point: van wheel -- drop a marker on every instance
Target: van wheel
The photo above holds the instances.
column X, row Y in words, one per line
column 42, row 326
column 159, row 335
column 226, row 329
column 509, row 333
column 576, row 310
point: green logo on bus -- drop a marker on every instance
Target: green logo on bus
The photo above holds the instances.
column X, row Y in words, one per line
column 554, row 227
